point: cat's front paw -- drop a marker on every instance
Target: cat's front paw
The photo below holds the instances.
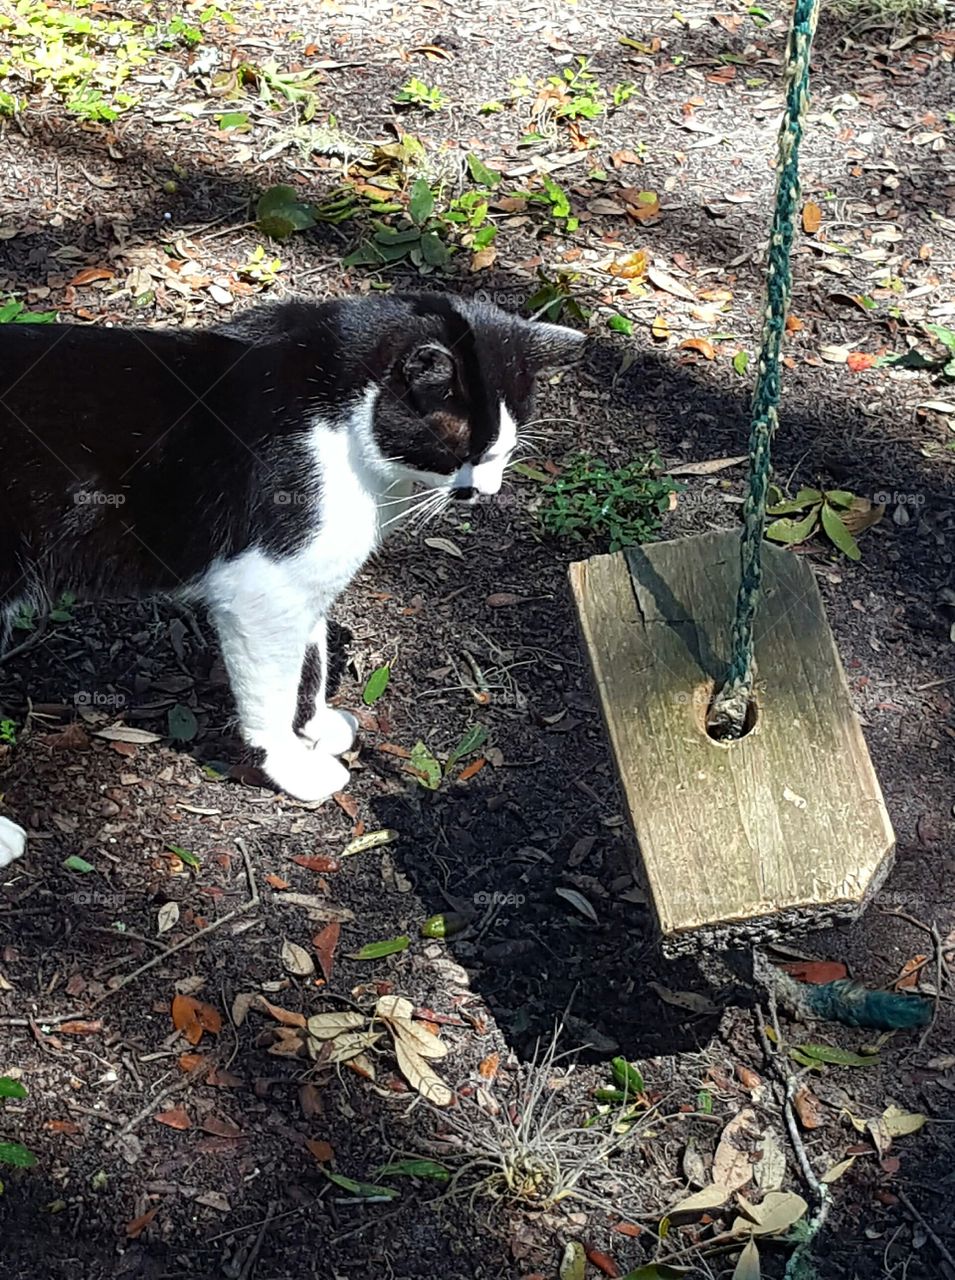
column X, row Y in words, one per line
column 304, row 772
column 13, row 842
column 331, row 730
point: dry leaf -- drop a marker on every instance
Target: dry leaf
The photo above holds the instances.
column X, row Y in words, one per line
column 421, row 1077
column 352, row 1043
column 501, row 599
column 310, row 1100
column 325, row 943
column 241, row 1005
column 123, row 733
column 276, row 882
column 859, row 361
column 898, row 1123
column 296, row 960
column 807, row 1108
column 702, row 345
column 770, row 1170
column 487, row 1068
column 705, row 1201
column 909, row 977
column 837, row 1170
column 660, row 328
column 394, row 1007
column 417, row 1038
column 326, row 1026
column 177, row 1118
column 811, row 217
column 688, row 1000
column 220, row 1127
column 316, row 862
column 733, row 1164
column 192, row 1017
column 470, row 770
column 168, row 917
column 668, row 284
column 87, row 276
column 138, row 1225
column 481, row 259
column 706, row 468
column 287, row 1017
column 321, row 1150
column 776, row 1213
column 62, row 1126
column 747, row 1265
column 815, row 971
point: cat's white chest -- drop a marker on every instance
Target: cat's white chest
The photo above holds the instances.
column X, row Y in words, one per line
column 348, row 529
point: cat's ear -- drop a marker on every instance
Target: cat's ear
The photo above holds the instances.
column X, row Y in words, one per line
column 552, row 345
column 428, row 366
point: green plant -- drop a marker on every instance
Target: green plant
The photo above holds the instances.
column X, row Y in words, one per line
column 940, row 360
column 839, row 514
column 552, row 197
column 8, row 732
column 259, row 269
column 12, row 1153
column 582, row 96
column 591, row 499
column 553, row 300
column 14, row 312
column 417, row 94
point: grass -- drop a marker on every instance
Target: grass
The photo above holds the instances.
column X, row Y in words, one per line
column 592, row 500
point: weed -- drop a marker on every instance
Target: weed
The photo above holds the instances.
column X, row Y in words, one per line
column 590, row 499
column 417, row 94
column 554, row 199
column 12, row 1153
column 8, row 733
column 553, row 300
column 837, row 513
column 260, row 269
column 14, row 312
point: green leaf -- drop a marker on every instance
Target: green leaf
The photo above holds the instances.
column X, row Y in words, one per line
column 427, row 769
column 475, row 737
column 434, row 249
column 804, row 498
column 375, row 685
column 415, row 1169
column 620, row 324
column 793, row 532
column 840, row 497
column 13, row 1153
column 479, row 171
column 11, row 1088
column 444, row 925
column 531, row 473
column 741, row 362
column 838, row 1057
column 376, row 950
column 838, row 534
column 626, row 1076
column 188, row 858
column 945, row 336
column 76, row 863
column 279, row 213
column 183, row 725
column 421, row 202
column 365, row 1189
column 233, row 120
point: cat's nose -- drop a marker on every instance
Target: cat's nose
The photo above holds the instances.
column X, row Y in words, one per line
column 464, row 494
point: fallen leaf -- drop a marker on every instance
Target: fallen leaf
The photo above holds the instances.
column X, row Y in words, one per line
column 702, row 345
column 711, row 1197
column 296, row 960
column 325, row 943
column 123, row 733
column 747, row 1265
column 276, row 882
column 660, row 328
column 811, row 217
column 603, row 1262
column 836, row 1171
column 192, row 1017
column 168, row 917
column 815, row 971
column 776, row 1213
column 770, row 1170
column 446, row 545
column 708, row 468
column 898, row 1123
column 422, row 1078
column 501, row 599
column 287, row 1017
column 327, row 1026
column 321, row 1150
column 488, row 1067
column 911, row 971
column 87, row 276
column 470, row 770
column 668, row 284
column 688, row 1000
column 220, row 1126
column 859, row 361
column 807, row 1108
column 372, row 839
column 579, row 902
column 62, row 1126
column 733, row 1162
column 177, row 1118
column 80, row 1027
column 316, row 862
column 138, row 1225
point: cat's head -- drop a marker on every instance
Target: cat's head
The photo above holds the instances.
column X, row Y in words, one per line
column 456, row 385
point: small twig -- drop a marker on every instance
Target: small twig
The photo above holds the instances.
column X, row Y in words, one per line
column 34, row 638
column 249, row 1264
column 910, row 1208
column 941, row 968
column 246, row 907
column 52, row 1021
column 177, row 1087
column 125, row 935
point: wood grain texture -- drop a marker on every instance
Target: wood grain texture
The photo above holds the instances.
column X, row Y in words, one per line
column 787, row 826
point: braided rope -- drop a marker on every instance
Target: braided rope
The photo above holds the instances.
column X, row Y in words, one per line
column 731, row 703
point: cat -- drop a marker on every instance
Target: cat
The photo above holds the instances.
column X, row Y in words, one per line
column 255, row 467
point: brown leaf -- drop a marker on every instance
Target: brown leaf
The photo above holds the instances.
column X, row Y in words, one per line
column 859, row 361
column 702, row 345
column 296, row 960
column 470, row 770
column 80, row 1028
column 488, row 1068
column 909, row 977
column 481, row 259
column 316, row 862
column 603, row 1262
column 177, row 1118
column 89, row 274
column 815, row 971
column 794, row 324
column 62, row 1126
column 276, row 881
column 808, row 1109
column 192, row 1017
column 221, row 1127
column 708, row 468
column 811, row 217
column 348, row 804
column 138, row 1225
column 733, row 1163
column 222, row 1079
column 310, row 1100
column 631, row 1229
column 287, row 1017
column 325, row 943
column 190, row 1061
column 501, row 599
column 624, row 156
column 321, row 1150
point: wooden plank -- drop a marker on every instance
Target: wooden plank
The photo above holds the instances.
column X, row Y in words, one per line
column 784, row 828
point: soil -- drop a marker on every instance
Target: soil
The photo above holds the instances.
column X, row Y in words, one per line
column 478, row 630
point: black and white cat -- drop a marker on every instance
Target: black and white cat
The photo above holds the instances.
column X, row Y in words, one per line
column 254, row 467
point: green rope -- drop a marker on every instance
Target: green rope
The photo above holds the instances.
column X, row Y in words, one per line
column 731, row 703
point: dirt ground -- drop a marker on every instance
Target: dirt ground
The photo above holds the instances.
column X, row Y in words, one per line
column 154, row 1164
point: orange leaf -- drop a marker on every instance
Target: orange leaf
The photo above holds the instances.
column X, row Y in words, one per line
column 910, row 973
column 276, row 882
column 474, row 767
column 320, row 1149
column 62, row 1126
column 815, row 971
column 138, row 1225
column 192, row 1017
column 80, row 1028
column 287, row 1017
column 794, row 324
column 177, row 1118
column 632, row 267
column 629, row 1229
column 393, row 749
column 702, row 345
column 811, row 217
column 348, row 804
column 325, row 944
column 603, row 1262
column 316, row 862
column 488, row 1068
column 89, row 274
column 808, row 1109
column 190, row 1061
column 859, row 361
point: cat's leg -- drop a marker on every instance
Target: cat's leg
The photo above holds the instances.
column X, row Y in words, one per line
column 263, row 618
column 13, row 842
column 329, row 729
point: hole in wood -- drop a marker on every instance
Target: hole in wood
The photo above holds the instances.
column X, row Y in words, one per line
column 721, row 732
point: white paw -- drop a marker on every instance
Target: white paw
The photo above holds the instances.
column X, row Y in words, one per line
column 13, row 842
column 303, row 771
column 331, row 730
